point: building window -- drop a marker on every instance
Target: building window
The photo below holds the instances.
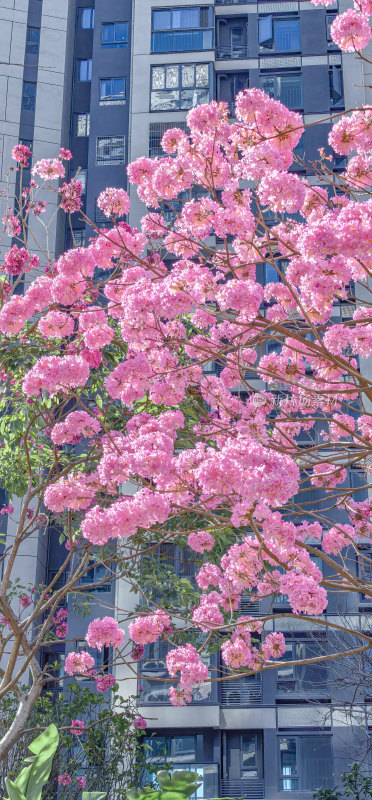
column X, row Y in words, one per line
column 305, row 763
column 281, row 35
column 112, row 91
column 330, row 18
column 182, row 29
column 110, row 150
column 76, row 238
column 156, row 132
column 365, row 572
column 249, row 755
column 83, row 69
column 231, row 38
column 229, row 85
column 175, row 748
column 179, row 86
column 32, row 40
column 114, row 34
column 309, row 678
column 336, row 86
column 95, row 574
column 81, row 124
column 286, row 88
column 86, row 18
column 29, row 96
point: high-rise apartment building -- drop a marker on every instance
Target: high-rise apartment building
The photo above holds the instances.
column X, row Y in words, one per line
column 107, row 78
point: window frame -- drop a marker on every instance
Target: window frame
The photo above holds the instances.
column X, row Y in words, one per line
column 285, row 74
column 78, row 70
column 80, row 14
column 32, row 48
column 84, row 117
column 337, row 99
column 113, row 99
column 299, row 738
column 31, row 96
column 180, row 88
column 108, row 162
column 114, row 43
column 293, row 641
column 172, row 30
column 269, row 44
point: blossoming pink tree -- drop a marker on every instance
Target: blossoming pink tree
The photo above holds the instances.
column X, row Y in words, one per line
column 105, row 360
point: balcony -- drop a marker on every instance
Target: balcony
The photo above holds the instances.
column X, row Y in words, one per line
column 228, row 51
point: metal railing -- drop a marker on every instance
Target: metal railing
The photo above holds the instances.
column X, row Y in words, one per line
column 241, row 693
column 250, row 789
column 231, row 51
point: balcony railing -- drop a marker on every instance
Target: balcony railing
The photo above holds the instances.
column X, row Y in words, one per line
column 231, row 51
column 232, row 2
column 250, row 789
column 241, row 693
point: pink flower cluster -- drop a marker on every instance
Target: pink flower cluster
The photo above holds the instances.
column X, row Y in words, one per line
column 104, row 633
column 77, row 727
column 186, row 661
column 148, row 628
column 74, row 426
column 113, row 202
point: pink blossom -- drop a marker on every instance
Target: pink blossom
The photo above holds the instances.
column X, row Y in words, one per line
column 53, row 373
column 105, row 682
column 48, row 169
column 104, row 633
column 25, row 600
column 113, row 202
column 273, row 646
column 139, row 723
column 71, row 195
column 81, row 782
column 351, row 30
column 21, row 153
column 200, row 541
column 78, row 663
column 74, row 426
column 64, row 779
column 77, row 727
column 148, row 628
column 19, row 260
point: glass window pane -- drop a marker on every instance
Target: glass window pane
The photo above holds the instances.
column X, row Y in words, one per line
column 105, row 88
column 29, row 95
column 162, row 42
column 287, row 34
column 86, row 18
column 161, row 20
column 202, row 75
column 290, row 91
column 316, row 762
column 207, row 40
column 183, row 748
column 165, row 101
column 185, row 18
column 288, row 755
column 249, row 756
column 270, row 274
column 121, row 32
column 188, row 75
column 118, row 87
column 108, row 32
column 158, row 78
column 172, row 77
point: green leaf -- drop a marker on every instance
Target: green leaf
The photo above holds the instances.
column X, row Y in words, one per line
column 93, row 795
column 45, row 744
column 22, row 780
column 13, row 791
